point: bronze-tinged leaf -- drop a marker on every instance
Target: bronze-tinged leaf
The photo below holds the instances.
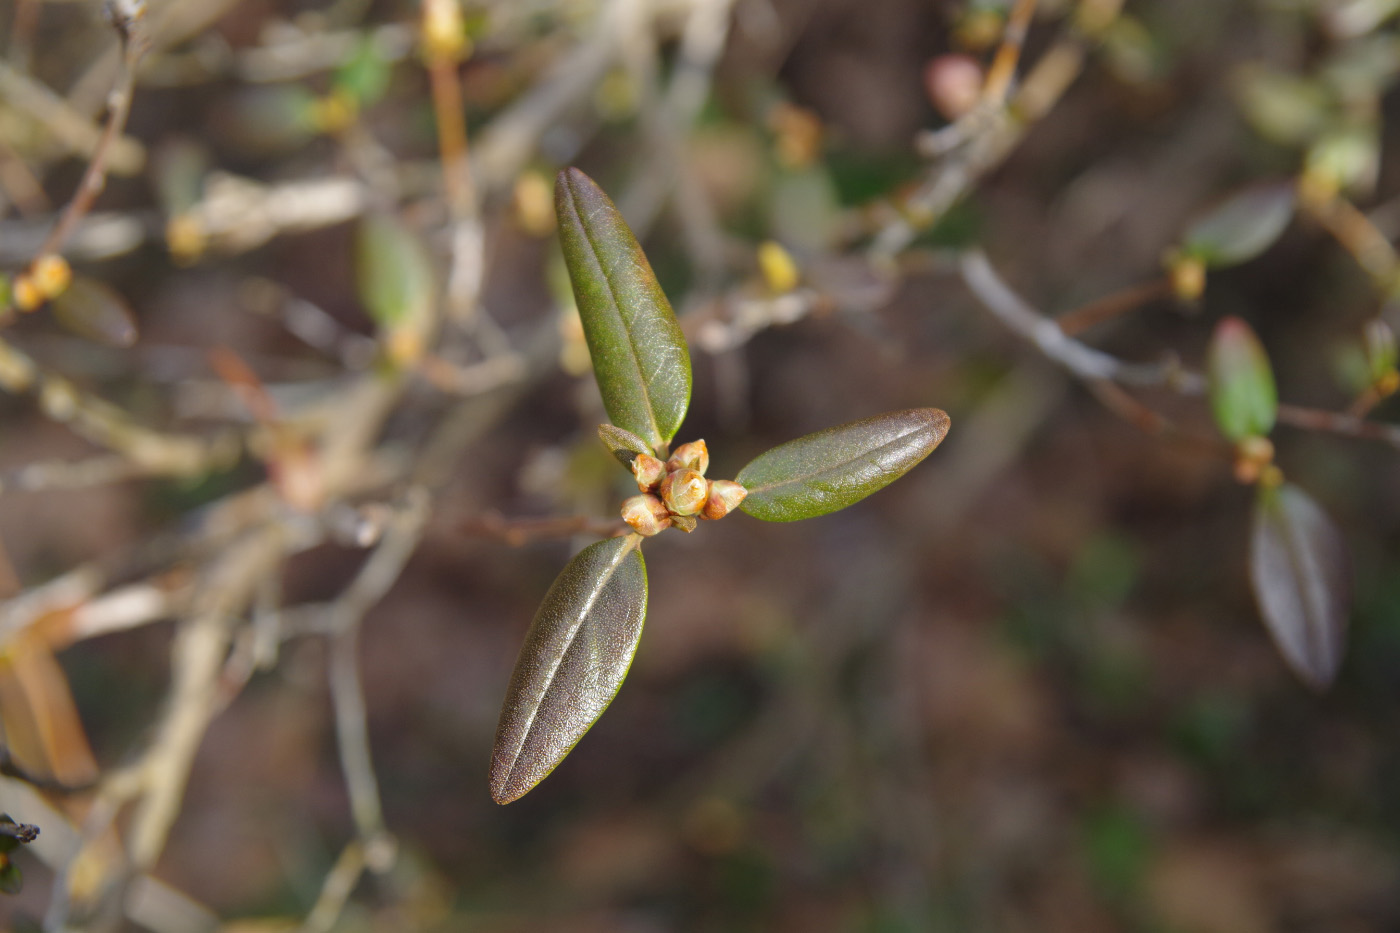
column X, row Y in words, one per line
column 624, row 445
column 92, row 310
column 574, row 659
column 832, row 469
column 639, row 354
column 1302, row 581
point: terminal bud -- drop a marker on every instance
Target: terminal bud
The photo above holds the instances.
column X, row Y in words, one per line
column 684, row 491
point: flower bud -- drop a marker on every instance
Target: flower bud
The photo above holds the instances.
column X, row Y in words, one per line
column 685, row 523
column 648, row 470
column 52, row 275
column 646, row 515
column 724, row 498
column 693, row 456
column 684, row 491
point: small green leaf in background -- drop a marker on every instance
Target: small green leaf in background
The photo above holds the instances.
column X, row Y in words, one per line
column 1283, row 107
column 624, row 445
column 394, row 275
column 11, row 881
column 1346, row 158
column 574, row 659
column 831, row 469
column 92, row 310
column 1381, row 352
column 1243, row 226
column 1302, row 581
column 639, row 354
column 1242, row 393
column 365, row 75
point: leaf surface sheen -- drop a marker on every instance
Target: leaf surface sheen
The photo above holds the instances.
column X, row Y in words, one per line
column 640, row 357
column 829, row 470
column 575, row 656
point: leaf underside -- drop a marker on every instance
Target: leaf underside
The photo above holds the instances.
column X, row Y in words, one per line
column 574, row 659
column 831, row 469
column 639, row 354
column 624, row 445
column 1302, row 581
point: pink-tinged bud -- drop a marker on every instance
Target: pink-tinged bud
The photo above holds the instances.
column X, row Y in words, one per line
column 646, row 515
column 649, row 471
column 724, row 498
column 684, row 491
column 685, row 523
column 693, row 456
column 953, row 83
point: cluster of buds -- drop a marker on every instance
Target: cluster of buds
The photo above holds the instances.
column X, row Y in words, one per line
column 677, row 493
column 47, row 278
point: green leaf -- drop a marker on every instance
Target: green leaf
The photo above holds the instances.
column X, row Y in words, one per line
column 365, row 75
column 1241, row 382
column 574, row 659
column 639, row 353
column 11, row 881
column 1243, row 226
column 832, row 469
column 393, row 272
column 624, row 445
column 1301, row 574
column 92, row 310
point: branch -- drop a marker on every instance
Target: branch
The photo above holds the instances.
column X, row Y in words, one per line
column 1098, row 368
column 1081, row 360
column 520, row 531
column 134, row 45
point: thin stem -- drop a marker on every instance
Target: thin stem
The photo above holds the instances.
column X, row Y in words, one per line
column 352, row 734
column 1003, row 69
column 1095, row 366
column 463, row 205
column 134, row 44
column 1358, row 236
column 1316, row 419
column 1112, row 305
column 1081, row 360
column 520, row 531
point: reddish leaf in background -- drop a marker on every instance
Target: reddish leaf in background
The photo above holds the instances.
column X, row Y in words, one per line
column 1302, row 580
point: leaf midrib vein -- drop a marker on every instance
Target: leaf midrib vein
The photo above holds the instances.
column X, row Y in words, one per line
column 831, row 468
column 634, row 354
column 564, row 651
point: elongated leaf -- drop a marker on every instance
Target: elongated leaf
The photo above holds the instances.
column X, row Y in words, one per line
column 1241, row 382
column 92, row 310
column 1243, row 226
column 574, row 659
column 832, row 469
column 624, row 445
column 639, row 353
column 1302, row 581
column 393, row 271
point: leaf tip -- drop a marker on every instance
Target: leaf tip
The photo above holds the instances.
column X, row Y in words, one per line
column 504, row 788
column 569, row 184
column 938, row 422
